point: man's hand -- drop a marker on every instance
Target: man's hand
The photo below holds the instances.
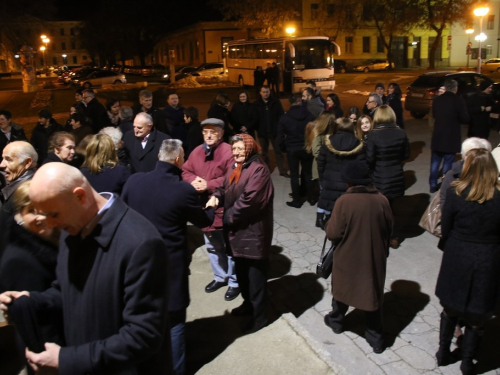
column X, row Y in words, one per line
column 47, row 360
column 199, row 184
column 212, row 202
column 6, row 299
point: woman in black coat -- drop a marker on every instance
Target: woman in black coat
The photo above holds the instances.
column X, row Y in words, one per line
column 338, row 149
column 394, row 101
column 468, row 285
column 244, row 116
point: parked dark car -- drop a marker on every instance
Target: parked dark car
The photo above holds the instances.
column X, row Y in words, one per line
column 340, row 66
column 155, row 70
column 420, row 93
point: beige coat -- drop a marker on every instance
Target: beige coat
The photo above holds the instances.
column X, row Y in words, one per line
column 361, row 225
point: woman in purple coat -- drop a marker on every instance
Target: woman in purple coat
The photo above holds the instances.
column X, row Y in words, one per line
column 247, row 196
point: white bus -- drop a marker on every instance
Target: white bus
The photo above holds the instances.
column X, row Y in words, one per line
column 299, row 58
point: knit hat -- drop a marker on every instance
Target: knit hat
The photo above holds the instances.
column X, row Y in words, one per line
column 213, row 122
column 484, row 85
column 356, row 173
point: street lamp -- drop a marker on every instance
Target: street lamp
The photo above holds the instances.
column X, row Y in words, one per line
column 468, row 32
column 64, row 59
column 290, row 30
column 42, row 48
column 480, row 12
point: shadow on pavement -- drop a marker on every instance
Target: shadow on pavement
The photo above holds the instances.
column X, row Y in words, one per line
column 415, row 150
column 401, row 305
column 408, row 211
column 279, row 265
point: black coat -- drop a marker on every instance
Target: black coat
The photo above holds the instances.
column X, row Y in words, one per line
column 127, row 125
column 244, row 114
column 112, row 288
column 194, row 137
column 143, row 159
column 40, row 138
column 109, row 180
column 169, row 204
column 469, row 281
column 174, row 118
column 16, row 134
column 51, row 158
column 338, row 149
column 386, row 148
column 394, row 101
column 159, row 119
column 269, row 115
column 449, row 111
column 291, row 128
column 480, row 123
column 98, row 114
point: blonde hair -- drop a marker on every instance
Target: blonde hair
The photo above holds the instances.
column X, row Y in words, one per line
column 100, row 152
column 384, row 115
column 359, row 132
column 480, row 174
column 21, row 197
column 323, row 125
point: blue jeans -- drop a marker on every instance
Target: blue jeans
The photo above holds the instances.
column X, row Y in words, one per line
column 436, row 159
column 222, row 263
column 177, row 320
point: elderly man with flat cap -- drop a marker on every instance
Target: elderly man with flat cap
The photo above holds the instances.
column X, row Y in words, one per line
column 205, row 169
column 111, row 286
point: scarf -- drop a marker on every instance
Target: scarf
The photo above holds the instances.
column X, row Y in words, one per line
column 251, row 148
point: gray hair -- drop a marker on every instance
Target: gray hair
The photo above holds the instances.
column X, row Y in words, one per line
column 114, row 133
column 451, row 85
column 90, row 92
column 170, row 150
column 25, row 150
column 126, row 113
column 376, row 98
column 145, row 117
column 474, row 142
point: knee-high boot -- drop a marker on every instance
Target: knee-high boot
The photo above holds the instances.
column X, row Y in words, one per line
column 472, row 339
column 446, row 331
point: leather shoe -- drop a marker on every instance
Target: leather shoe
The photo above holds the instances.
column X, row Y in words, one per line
column 378, row 349
column 293, row 204
column 243, row 310
column 214, row 285
column 285, row 174
column 231, row 293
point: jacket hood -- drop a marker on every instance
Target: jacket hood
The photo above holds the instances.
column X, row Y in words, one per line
column 298, row 112
column 343, row 143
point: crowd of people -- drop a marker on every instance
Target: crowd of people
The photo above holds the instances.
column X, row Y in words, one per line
column 95, row 213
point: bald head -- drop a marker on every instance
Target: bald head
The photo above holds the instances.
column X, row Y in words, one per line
column 18, row 157
column 62, row 194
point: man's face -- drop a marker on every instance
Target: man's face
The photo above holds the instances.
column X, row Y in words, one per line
column 264, row 93
column 141, row 127
column 11, row 164
column 371, row 104
column 87, row 98
column 4, row 123
column 173, row 100
column 146, row 103
column 380, row 91
column 305, row 96
column 211, row 134
column 43, row 121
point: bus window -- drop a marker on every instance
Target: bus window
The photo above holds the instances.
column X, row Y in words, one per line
column 313, row 54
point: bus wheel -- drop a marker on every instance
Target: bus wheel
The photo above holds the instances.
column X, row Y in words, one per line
column 241, row 82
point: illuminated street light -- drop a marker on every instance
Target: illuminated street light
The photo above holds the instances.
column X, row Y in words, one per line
column 64, row 59
column 480, row 12
column 290, row 30
column 42, row 48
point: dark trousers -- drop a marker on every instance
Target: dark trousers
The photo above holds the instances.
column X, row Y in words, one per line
column 374, row 327
column 252, row 278
column 280, row 160
column 177, row 320
column 296, row 160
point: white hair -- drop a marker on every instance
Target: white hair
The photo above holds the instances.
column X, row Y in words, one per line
column 25, row 150
column 474, row 142
column 114, row 133
column 143, row 116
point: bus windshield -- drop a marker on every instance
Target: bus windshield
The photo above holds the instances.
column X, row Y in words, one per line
column 312, row 54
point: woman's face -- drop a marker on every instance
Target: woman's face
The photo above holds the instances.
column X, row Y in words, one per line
column 67, row 151
column 115, row 109
column 239, row 151
column 33, row 222
column 72, row 110
column 329, row 102
column 243, row 97
column 353, row 117
column 390, row 89
column 187, row 120
column 365, row 124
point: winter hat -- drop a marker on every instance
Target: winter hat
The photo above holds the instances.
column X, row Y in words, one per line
column 356, row 173
column 484, row 85
column 213, row 122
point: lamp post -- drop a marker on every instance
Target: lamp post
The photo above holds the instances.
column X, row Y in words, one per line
column 65, row 61
column 480, row 12
column 42, row 48
column 468, row 32
column 290, row 31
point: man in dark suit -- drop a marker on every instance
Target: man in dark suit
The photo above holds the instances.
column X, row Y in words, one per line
column 158, row 116
column 95, row 111
column 112, row 281
column 143, row 144
column 169, row 205
column 449, row 111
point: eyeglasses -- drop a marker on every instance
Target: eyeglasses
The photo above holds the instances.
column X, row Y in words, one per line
column 370, row 101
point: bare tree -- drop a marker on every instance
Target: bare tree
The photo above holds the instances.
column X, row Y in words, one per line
column 336, row 17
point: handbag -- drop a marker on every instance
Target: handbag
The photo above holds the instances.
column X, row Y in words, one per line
column 431, row 219
column 325, row 265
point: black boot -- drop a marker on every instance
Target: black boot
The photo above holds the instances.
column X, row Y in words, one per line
column 320, row 220
column 446, row 331
column 327, row 217
column 472, row 339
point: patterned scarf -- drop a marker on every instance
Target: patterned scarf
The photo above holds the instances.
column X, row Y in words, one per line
column 251, row 148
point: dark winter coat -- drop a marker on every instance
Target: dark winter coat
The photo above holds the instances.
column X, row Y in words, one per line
column 194, row 137
column 394, row 101
column 40, row 138
column 244, row 114
column 126, row 126
column 291, row 129
column 386, row 149
column 337, row 111
column 469, row 281
column 16, row 134
column 80, row 133
column 269, row 115
column 98, row 114
column 143, row 159
column 248, row 210
column 315, row 106
column 112, row 289
column 51, row 158
column 169, row 203
column 159, row 119
column 222, row 113
column 109, row 180
column 449, row 111
column 480, row 123
column 361, row 226
column 174, row 118
column 337, row 150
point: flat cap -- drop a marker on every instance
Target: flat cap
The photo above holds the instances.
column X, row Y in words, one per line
column 213, row 122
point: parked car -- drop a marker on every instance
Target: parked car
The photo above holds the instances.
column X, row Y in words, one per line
column 209, row 70
column 154, row 70
column 420, row 93
column 368, row 65
column 340, row 66
column 76, row 76
column 99, row 78
column 180, row 72
column 491, row 65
